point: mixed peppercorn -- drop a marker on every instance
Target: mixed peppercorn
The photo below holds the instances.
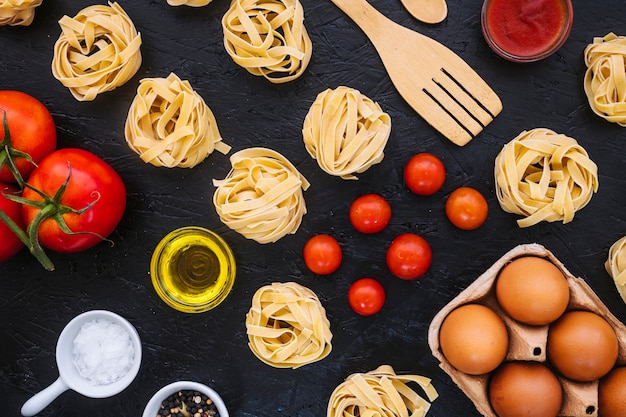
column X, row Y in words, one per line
column 188, row 404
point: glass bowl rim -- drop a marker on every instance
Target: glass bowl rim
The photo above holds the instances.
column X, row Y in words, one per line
column 155, row 273
column 555, row 46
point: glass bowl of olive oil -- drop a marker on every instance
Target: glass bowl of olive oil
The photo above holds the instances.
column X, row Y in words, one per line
column 193, row 269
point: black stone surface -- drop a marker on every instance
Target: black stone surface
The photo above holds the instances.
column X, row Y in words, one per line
column 212, row 347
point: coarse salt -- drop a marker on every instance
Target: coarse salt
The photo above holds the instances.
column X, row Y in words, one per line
column 103, row 351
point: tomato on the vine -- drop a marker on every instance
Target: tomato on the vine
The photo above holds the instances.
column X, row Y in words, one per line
column 92, row 204
column 370, row 213
column 366, row 296
column 424, row 174
column 10, row 243
column 322, row 254
column 409, row 256
column 31, row 130
column 466, row 208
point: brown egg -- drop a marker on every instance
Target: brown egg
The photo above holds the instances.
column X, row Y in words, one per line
column 612, row 393
column 525, row 389
column 532, row 290
column 474, row 339
column 582, row 346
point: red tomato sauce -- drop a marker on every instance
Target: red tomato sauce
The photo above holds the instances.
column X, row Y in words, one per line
column 525, row 27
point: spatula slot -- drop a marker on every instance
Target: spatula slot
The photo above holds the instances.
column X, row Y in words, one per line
column 458, row 102
column 447, row 110
column 476, row 100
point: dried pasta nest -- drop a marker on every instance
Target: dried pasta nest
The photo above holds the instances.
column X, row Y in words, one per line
column 544, row 175
column 605, row 78
column 261, row 197
column 616, row 265
column 170, row 125
column 381, row 393
column 191, row 3
column 98, row 50
column 346, row 132
column 268, row 38
column 287, row 326
column 17, row 12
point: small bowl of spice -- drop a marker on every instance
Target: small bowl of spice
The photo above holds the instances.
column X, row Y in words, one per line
column 193, row 269
column 186, row 398
column 526, row 30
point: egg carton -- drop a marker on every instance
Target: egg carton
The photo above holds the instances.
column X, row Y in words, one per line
column 526, row 342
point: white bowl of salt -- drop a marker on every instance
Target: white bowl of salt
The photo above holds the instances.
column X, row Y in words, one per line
column 98, row 355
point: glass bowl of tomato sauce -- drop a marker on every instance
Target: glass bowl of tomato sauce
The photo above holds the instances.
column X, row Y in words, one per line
column 526, row 30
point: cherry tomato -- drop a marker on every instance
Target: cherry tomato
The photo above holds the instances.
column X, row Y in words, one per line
column 322, row 254
column 424, row 174
column 370, row 213
column 31, row 129
column 409, row 256
column 10, row 244
column 466, row 208
column 366, row 296
column 91, row 182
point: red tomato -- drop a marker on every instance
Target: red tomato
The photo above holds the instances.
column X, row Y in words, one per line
column 366, row 296
column 370, row 213
column 92, row 181
column 10, row 244
column 409, row 256
column 322, row 254
column 466, row 208
column 31, row 129
column 424, row 174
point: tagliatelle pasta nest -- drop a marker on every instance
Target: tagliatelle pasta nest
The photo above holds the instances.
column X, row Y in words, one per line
column 605, row 78
column 616, row 266
column 17, row 12
column 381, row 393
column 346, row 132
column 98, row 50
column 544, row 176
column 268, row 38
column 287, row 326
column 261, row 197
column 191, row 3
column 169, row 124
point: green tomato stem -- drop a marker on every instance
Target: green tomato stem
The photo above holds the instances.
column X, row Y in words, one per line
column 26, row 238
column 50, row 207
column 32, row 231
column 8, row 153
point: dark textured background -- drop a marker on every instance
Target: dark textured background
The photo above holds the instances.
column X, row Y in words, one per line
column 211, row 347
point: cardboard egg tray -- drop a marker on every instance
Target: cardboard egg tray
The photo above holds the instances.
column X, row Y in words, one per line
column 527, row 342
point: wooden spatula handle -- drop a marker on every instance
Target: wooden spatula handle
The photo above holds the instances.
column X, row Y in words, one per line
column 363, row 14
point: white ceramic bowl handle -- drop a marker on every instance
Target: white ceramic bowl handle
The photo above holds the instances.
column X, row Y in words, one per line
column 41, row 400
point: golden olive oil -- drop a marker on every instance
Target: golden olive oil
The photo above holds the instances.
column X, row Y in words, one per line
column 193, row 269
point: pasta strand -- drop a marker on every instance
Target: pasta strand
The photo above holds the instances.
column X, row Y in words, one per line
column 18, row 12
column 616, row 265
column 261, row 197
column 98, row 50
column 287, row 326
column 605, row 78
column 170, row 125
column 544, row 176
column 268, row 38
column 346, row 132
column 381, row 393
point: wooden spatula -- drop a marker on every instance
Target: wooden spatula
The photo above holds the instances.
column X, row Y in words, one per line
column 437, row 83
